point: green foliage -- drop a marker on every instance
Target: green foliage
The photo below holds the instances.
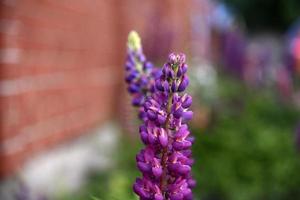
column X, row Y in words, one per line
column 267, row 14
column 248, row 152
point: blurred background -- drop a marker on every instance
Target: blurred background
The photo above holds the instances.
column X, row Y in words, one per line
column 68, row 131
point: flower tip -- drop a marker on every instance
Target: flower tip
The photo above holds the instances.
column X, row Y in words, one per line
column 172, row 58
column 177, row 58
column 134, row 41
column 181, row 58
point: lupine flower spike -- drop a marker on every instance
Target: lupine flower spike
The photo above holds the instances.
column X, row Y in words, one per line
column 166, row 160
column 140, row 73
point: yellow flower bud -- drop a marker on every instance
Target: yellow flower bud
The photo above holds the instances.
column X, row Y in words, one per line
column 134, row 41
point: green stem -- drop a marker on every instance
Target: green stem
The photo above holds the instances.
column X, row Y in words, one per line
column 163, row 180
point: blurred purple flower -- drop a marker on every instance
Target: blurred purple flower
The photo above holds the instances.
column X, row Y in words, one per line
column 234, row 51
column 140, row 73
column 298, row 137
column 166, row 160
column 24, row 193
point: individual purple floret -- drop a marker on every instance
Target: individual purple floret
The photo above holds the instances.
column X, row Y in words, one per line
column 166, row 161
column 140, row 73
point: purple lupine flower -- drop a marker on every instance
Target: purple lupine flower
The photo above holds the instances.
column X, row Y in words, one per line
column 24, row 193
column 140, row 73
column 166, row 161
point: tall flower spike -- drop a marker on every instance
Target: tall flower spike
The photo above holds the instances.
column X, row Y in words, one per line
column 166, row 161
column 140, row 73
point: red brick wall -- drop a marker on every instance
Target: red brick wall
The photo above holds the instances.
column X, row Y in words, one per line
column 61, row 68
column 57, row 57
